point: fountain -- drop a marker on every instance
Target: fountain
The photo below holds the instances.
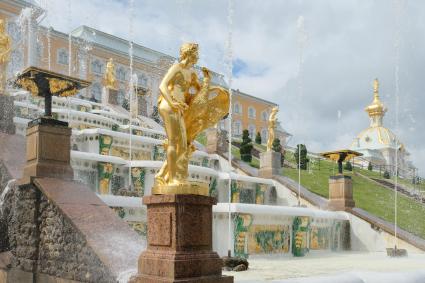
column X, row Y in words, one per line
column 185, row 216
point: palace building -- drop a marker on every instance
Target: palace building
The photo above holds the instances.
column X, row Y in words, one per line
column 379, row 145
column 85, row 52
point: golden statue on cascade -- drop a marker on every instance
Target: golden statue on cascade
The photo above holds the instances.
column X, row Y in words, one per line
column 187, row 107
column 272, row 127
column 5, row 48
column 109, row 79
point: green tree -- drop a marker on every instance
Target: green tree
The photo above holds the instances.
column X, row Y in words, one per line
column 246, row 147
column 126, row 104
column 386, row 174
column 276, row 147
column 300, row 156
column 369, row 166
column 348, row 166
column 258, row 138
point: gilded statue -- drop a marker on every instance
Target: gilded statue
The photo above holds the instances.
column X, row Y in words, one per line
column 110, row 81
column 5, row 48
column 272, row 127
column 187, row 107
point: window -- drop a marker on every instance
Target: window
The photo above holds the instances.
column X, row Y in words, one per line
column 142, row 80
column 252, row 132
column 96, row 92
column 63, row 56
column 264, row 135
column 237, row 108
column 265, row 115
column 120, row 97
column 121, row 74
column 97, row 66
column 251, row 112
column 237, row 128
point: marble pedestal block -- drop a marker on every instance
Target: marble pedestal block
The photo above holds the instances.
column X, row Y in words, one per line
column 270, row 164
column 6, row 114
column 48, row 150
column 340, row 193
column 179, row 241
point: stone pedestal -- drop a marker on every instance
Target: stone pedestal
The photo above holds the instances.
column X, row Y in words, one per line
column 109, row 96
column 270, row 164
column 216, row 141
column 340, row 193
column 48, row 150
column 6, row 114
column 179, row 241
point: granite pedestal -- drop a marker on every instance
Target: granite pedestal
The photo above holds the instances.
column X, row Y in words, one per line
column 179, row 241
column 340, row 193
column 6, row 114
column 48, row 150
column 270, row 164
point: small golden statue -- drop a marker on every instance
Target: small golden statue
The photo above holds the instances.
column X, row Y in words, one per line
column 5, row 48
column 110, row 81
column 272, row 127
column 187, row 108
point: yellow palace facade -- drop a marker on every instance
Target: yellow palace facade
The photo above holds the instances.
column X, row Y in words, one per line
column 85, row 52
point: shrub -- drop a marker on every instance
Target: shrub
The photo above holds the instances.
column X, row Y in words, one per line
column 276, row 147
column 258, row 138
column 300, row 156
column 369, row 166
column 386, row 174
column 348, row 166
column 246, row 147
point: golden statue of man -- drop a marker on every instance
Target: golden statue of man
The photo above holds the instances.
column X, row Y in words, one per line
column 187, row 107
column 5, row 48
column 272, row 127
column 110, row 80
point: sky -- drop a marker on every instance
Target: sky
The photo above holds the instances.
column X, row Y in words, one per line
column 320, row 72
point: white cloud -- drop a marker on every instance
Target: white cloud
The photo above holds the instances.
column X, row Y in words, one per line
column 349, row 44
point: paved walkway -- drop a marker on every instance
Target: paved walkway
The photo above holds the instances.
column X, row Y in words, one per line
column 349, row 265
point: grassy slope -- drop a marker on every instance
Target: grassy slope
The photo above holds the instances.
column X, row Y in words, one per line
column 367, row 195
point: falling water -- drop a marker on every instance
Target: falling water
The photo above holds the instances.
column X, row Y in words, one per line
column 49, row 48
column 302, row 41
column 8, row 187
column 399, row 6
column 229, row 61
column 68, row 99
column 130, row 54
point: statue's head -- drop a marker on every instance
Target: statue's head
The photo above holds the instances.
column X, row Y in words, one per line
column 189, row 53
column 275, row 109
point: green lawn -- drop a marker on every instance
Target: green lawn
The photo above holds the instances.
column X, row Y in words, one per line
column 367, row 195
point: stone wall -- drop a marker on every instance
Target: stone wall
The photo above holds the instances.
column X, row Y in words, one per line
column 43, row 241
column 63, row 251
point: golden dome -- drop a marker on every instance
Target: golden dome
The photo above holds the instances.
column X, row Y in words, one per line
column 377, row 108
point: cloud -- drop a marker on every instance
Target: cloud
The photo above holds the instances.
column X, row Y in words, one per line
column 349, row 44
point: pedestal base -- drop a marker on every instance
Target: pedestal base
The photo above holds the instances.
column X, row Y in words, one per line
column 179, row 241
column 270, row 164
column 340, row 193
column 48, row 150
